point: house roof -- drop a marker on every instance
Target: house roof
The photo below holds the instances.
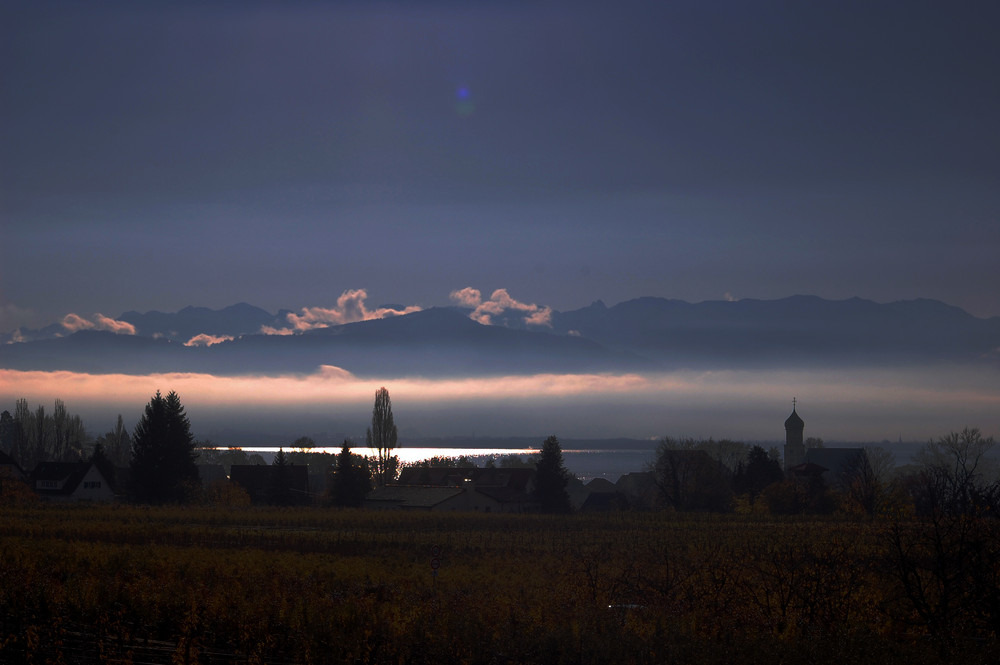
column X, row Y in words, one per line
column 636, row 480
column 58, row 471
column 7, row 460
column 601, row 485
column 67, row 474
column 209, row 473
column 603, row 501
column 510, row 478
column 505, row 494
column 808, row 469
column 255, row 478
column 412, row 496
column 440, row 476
column 835, row 460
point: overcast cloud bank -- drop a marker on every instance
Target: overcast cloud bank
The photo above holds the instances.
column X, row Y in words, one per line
column 843, row 405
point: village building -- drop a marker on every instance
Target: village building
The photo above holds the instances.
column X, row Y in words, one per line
column 211, row 473
column 489, row 490
column 639, row 489
column 834, row 466
column 795, row 449
column 10, row 468
column 270, row 484
column 71, row 481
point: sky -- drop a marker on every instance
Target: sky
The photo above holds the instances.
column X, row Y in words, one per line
column 156, row 155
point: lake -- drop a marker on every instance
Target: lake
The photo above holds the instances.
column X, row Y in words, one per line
column 583, row 463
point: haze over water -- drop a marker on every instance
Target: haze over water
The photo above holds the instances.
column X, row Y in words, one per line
column 848, row 405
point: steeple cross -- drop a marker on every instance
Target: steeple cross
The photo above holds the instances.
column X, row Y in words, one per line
column 793, row 403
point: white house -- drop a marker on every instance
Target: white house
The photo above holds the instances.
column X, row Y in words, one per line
column 71, row 481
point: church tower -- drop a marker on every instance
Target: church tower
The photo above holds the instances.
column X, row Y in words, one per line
column 795, row 449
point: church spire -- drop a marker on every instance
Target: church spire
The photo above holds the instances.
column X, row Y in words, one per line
column 795, row 450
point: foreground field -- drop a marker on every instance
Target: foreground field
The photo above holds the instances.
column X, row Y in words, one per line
column 200, row 585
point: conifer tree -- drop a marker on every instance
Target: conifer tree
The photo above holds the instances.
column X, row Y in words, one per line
column 551, row 478
column 280, row 488
column 163, row 458
column 756, row 473
column 351, row 481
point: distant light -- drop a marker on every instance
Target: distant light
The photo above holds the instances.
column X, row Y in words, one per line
column 463, row 93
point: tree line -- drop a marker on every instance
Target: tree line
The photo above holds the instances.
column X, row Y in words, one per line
column 161, row 453
column 31, row 436
column 953, row 473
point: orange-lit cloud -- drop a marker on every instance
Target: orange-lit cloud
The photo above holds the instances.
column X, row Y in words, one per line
column 75, row 322
column 208, row 340
column 467, row 297
column 499, row 303
column 112, row 325
column 350, row 308
column 847, row 405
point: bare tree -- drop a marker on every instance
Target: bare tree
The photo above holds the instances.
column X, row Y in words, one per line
column 689, row 478
column 730, row 453
column 68, row 434
column 116, row 444
column 20, row 448
column 39, row 440
column 119, row 444
column 868, row 479
column 946, row 561
column 60, row 424
column 381, row 437
column 956, row 470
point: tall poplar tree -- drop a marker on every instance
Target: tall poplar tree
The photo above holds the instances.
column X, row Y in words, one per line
column 381, row 437
column 163, row 457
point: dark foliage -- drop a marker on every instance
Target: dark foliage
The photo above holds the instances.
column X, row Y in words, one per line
column 99, row 459
column 689, row 479
column 350, row 481
column 8, row 430
column 279, row 484
column 551, row 478
column 809, row 496
column 163, row 458
column 756, row 473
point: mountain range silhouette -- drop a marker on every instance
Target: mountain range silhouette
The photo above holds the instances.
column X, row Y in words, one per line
column 645, row 334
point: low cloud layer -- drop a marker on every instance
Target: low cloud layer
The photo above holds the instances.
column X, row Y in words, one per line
column 500, row 303
column 350, row 308
column 836, row 405
column 74, row 323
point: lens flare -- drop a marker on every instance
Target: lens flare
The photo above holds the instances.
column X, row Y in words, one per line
column 464, row 103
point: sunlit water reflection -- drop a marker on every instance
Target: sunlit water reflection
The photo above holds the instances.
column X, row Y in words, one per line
column 585, row 464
